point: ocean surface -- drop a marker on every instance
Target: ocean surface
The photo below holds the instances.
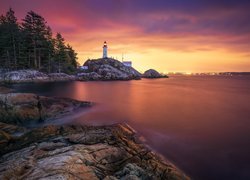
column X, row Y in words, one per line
column 200, row 123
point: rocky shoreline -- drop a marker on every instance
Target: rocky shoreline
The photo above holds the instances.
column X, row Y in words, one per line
column 70, row 151
column 103, row 69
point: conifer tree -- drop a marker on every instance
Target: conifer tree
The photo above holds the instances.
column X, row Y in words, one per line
column 9, row 33
column 31, row 45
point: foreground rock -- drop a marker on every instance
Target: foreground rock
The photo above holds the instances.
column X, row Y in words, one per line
column 82, row 152
column 108, row 69
column 26, row 76
column 4, row 90
column 23, row 108
column 9, row 132
column 151, row 73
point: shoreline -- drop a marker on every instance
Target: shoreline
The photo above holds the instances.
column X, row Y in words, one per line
column 120, row 141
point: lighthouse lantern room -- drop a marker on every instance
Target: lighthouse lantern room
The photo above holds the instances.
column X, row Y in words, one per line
column 105, row 50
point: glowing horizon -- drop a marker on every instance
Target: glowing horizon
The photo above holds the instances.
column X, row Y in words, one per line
column 165, row 35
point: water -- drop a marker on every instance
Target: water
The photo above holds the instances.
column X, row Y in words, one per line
column 202, row 124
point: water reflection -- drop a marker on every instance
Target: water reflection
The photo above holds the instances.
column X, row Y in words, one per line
column 200, row 123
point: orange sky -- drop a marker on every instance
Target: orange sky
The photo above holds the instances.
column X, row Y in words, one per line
column 166, row 35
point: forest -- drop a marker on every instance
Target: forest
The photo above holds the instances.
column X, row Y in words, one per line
column 30, row 44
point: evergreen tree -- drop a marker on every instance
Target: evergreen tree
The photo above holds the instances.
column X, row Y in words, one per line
column 9, row 33
column 72, row 58
column 60, row 52
column 31, row 45
column 38, row 39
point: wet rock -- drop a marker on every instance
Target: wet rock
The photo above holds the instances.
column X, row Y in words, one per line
column 151, row 73
column 73, row 152
column 24, row 108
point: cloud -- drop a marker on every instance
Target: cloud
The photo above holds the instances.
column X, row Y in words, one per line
column 144, row 25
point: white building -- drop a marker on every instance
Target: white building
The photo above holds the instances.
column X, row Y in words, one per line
column 84, row 67
column 127, row 63
column 105, row 50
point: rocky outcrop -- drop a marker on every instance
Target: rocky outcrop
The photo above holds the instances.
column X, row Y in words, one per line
column 151, row 73
column 23, row 108
column 82, row 152
column 92, row 76
column 25, row 76
column 70, row 151
column 9, row 132
column 108, row 69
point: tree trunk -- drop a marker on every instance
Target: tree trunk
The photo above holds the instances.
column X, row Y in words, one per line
column 8, row 59
column 49, row 64
column 39, row 59
column 14, row 51
column 59, row 67
column 35, row 60
column 29, row 59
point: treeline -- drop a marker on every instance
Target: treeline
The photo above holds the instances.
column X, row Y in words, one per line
column 30, row 45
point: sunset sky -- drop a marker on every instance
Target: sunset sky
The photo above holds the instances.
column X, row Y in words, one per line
column 167, row 35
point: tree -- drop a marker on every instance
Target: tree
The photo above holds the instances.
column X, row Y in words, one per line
column 60, row 51
column 38, row 38
column 9, row 33
column 31, row 45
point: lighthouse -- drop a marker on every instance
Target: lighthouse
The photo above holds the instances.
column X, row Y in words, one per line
column 105, row 50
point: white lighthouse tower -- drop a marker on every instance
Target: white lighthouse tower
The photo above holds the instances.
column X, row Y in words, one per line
column 105, row 50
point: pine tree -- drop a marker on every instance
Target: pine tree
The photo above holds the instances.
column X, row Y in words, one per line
column 72, row 58
column 31, row 45
column 9, row 33
column 60, row 52
column 38, row 39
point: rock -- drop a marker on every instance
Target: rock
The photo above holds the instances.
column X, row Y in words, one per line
column 24, row 108
column 26, row 76
column 72, row 152
column 9, row 132
column 4, row 90
column 151, row 73
column 108, row 69
column 92, row 76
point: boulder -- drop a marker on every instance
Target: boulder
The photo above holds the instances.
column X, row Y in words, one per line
column 74, row 152
column 151, row 73
column 23, row 108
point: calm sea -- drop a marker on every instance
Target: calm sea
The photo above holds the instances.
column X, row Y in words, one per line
column 201, row 124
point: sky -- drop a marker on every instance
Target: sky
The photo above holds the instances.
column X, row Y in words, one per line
column 166, row 35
